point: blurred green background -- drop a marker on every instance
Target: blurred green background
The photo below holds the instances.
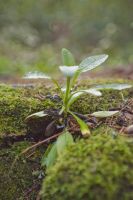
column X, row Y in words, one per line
column 32, row 32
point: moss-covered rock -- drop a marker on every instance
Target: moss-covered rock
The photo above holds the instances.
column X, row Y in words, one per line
column 98, row 168
column 109, row 99
column 18, row 181
column 17, row 103
column 89, row 103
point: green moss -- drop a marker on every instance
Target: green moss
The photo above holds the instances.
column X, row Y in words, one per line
column 88, row 103
column 98, row 168
column 17, row 103
column 109, row 99
column 15, row 106
column 16, row 182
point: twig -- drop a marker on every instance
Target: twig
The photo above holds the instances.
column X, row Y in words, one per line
column 39, row 143
column 31, row 147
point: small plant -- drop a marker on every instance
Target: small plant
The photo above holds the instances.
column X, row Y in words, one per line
column 69, row 95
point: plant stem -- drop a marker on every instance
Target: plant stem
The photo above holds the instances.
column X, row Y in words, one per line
column 58, row 87
column 67, row 94
column 75, row 78
column 122, row 96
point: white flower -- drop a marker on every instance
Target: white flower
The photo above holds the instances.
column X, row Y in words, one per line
column 69, row 71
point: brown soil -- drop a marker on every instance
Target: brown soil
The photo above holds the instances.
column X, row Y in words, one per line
column 125, row 72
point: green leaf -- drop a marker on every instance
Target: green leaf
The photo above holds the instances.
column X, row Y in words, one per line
column 50, row 156
column 103, row 114
column 37, row 115
column 113, row 86
column 56, row 149
column 92, row 62
column 75, row 77
column 77, row 94
column 92, row 91
column 43, row 160
column 68, row 71
column 63, row 141
column 67, row 58
column 36, row 75
column 74, row 97
column 83, row 126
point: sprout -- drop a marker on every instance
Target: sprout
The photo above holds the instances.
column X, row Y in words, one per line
column 69, row 96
